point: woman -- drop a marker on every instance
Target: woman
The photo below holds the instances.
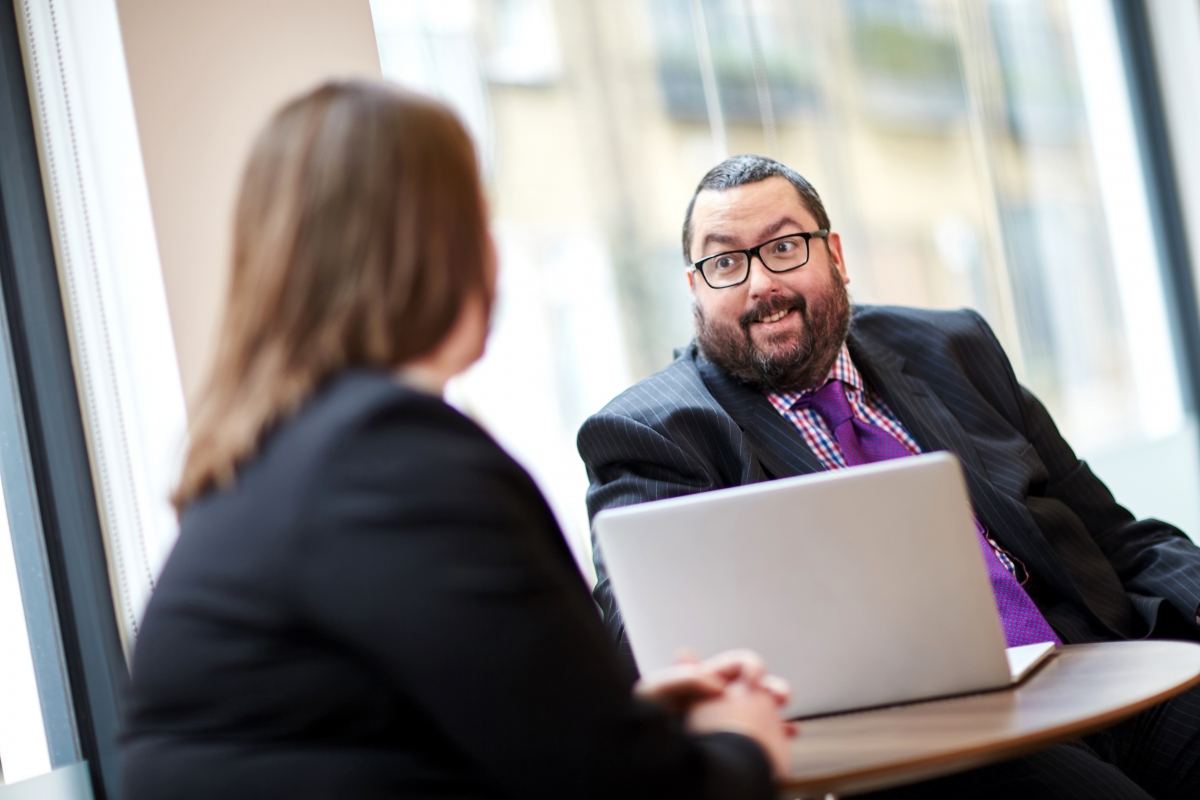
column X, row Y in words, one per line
column 368, row 598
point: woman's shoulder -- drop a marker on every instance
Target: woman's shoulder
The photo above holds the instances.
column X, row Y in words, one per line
column 364, row 450
column 361, row 427
column 358, row 407
column 385, row 454
column 366, row 427
column 363, row 396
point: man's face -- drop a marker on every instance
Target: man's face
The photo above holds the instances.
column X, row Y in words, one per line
column 775, row 331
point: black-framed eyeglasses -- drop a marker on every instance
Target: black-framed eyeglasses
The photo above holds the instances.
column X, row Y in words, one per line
column 782, row 254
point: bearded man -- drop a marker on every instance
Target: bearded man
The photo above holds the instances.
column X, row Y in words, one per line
column 786, row 377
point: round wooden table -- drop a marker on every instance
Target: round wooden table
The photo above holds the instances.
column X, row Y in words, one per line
column 1081, row 690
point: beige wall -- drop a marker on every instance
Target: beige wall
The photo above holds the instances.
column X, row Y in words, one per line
column 205, row 76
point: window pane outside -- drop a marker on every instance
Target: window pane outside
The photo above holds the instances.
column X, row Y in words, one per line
column 973, row 153
column 37, row 721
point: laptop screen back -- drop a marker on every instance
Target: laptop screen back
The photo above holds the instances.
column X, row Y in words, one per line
column 861, row 587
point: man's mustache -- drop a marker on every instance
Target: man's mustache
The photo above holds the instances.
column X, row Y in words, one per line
column 765, row 308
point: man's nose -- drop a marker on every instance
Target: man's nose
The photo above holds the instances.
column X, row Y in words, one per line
column 761, row 280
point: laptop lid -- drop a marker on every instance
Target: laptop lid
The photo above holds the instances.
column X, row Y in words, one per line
column 862, row 587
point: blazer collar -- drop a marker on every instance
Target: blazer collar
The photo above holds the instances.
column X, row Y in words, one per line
column 780, row 449
column 783, row 452
column 936, row 428
column 910, row 398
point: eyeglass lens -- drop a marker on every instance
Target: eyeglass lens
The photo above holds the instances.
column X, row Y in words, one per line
column 780, row 255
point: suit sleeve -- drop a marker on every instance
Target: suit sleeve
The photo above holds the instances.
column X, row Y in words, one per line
column 433, row 557
column 630, row 462
column 1150, row 557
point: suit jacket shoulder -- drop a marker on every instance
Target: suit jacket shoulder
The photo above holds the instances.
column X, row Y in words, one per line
column 655, row 400
column 690, row 427
column 665, row 436
column 944, row 348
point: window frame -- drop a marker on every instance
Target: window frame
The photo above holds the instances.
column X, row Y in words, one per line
column 68, row 523
column 1162, row 192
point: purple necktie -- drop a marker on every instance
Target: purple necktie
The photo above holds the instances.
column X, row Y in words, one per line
column 861, row 443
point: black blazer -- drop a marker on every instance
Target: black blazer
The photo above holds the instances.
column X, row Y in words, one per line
column 1097, row 573
column 382, row 605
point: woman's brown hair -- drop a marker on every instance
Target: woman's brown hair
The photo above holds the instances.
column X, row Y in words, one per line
column 360, row 230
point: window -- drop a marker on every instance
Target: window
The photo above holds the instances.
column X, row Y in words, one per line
column 979, row 153
column 91, row 412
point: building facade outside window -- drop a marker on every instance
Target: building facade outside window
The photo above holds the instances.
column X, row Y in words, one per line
column 977, row 153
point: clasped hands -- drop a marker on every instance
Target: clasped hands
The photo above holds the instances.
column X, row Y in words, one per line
column 730, row 692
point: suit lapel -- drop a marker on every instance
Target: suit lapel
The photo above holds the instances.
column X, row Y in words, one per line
column 909, row 396
column 780, row 449
column 782, row 453
column 936, row 428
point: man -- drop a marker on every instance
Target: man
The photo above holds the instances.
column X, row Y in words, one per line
column 785, row 377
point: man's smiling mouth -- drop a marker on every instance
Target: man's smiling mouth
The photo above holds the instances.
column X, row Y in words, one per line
column 778, row 315
column 772, row 314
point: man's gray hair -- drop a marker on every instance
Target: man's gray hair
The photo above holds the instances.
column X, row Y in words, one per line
column 743, row 169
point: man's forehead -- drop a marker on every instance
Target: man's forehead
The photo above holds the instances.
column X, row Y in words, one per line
column 747, row 210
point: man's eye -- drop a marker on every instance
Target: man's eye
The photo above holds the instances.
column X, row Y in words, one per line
column 725, row 262
column 786, row 246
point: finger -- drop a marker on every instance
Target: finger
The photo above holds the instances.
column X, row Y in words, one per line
column 777, row 687
column 746, row 665
column 700, row 685
column 680, row 682
column 675, row 672
column 654, row 681
column 724, row 668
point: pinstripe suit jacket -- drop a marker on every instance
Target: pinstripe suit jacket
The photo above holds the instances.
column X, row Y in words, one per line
column 1098, row 573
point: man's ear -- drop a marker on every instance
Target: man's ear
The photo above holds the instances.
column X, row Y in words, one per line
column 691, row 279
column 834, row 243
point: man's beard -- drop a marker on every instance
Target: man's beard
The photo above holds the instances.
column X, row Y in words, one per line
column 796, row 365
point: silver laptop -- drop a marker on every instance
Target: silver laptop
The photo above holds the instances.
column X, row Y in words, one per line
column 862, row 587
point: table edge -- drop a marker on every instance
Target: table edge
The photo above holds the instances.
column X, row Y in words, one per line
column 927, row 767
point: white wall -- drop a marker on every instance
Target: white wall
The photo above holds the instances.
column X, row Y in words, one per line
column 206, row 74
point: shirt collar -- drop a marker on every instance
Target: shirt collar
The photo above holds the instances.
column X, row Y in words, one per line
column 843, row 370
